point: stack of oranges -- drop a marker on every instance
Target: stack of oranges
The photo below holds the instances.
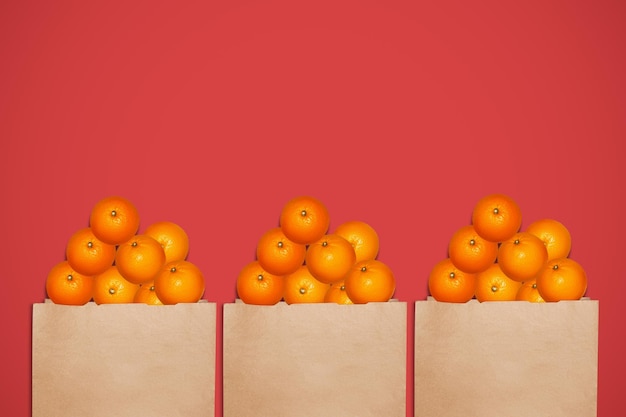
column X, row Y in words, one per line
column 492, row 259
column 300, row 261
column 109, row 262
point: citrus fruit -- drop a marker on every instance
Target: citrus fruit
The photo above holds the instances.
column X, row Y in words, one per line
column 470, row 252
column 522, row 256
column 448, row 283
column 172, row 237
column 114, row 219
column 304, row 219
column 87, row 254
column 278, row 254
column 302, row 287
column 146, row 295
column 555, row 236
column 179, row 282
column 363, row 238
column 529, row 292
column 66, row 286
column 330, row 258
column 493, row 284
column 370, row 281
column 110, row 287
column 336, row 293
column 496, row 217
column 140, row 259
column 257, row 286
column 562, row 279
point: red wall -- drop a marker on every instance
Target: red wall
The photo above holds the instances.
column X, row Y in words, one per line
column 403, row 114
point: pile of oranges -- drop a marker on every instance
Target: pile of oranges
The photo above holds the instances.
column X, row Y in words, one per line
column 109, row 262
column 491, row 259
column 300, row 261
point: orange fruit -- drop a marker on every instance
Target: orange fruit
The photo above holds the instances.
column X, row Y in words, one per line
column 172, row 237
column 330, row 258
column 522, row 256
column 257, row 286
column 493, row 284
column 140, row 259
column 529, row 292
column 470, row 252
column 370, row 281
column 278, row 254
column 302, row 287
column 562, row 279
column 146, row 295
column 496, row 217
column 555, row 236
column 114, row 219
column 448, row 283
column 179, row 282
column 110, row 287
column 363, row 238
column 87, row 254
column 304, row 219
column 66, row 286
column 336, row 293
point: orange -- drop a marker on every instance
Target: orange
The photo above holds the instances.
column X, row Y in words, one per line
column 110, row 287
column 562, row 279
column 278, row 254
column 302, row 287
column 370, row 281
column 496, row 217
column 304, row 219
column 336, row 293
column 529, row 292
column 469, row 252
column 146, row 295
column 257, row 286
column 554, row 235
column 140, row 259
column 448, row 283
column 172, row 237
column 114, row 220
column 179, row 282
column 493, row 284
column 87, row 254
column 522, row 256
column 363, row 238
column 330, row 258
column 66, row 286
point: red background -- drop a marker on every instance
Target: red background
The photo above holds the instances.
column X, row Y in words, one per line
column 403, row 114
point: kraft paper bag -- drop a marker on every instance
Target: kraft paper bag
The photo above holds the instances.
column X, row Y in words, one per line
column 508, row 358
column 123, row 360
column 317, row 359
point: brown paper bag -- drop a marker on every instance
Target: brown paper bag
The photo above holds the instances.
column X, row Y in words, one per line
column 123, row 360
column 510, row 358
column 315, row 360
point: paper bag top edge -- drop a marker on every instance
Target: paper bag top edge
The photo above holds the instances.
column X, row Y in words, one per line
column 283, row 304
column 92, row 304
column 283, row 307
column 475, row 301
